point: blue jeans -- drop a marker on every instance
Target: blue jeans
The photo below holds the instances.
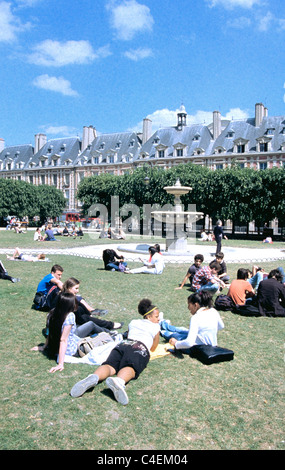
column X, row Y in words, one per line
column 209, row 287
column 87, row 329
column 256, row 279
column 168, row 331
column 114, row 266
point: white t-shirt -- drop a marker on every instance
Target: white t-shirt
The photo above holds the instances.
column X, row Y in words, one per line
column 143, row 330
column 203, row 329
column 156, row 261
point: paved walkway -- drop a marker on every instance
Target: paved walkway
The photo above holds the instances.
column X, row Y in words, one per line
column 232, row 254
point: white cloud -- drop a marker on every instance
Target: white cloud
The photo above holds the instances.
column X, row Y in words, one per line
column 10, row 25
column 60, row 130
column 167, row 118
column 128, row 17
column 138, row 54
column 229, row 4
column 58, row 54
column 57, row 84
column 239, row 23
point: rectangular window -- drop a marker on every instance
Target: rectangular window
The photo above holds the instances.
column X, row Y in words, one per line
column 262, row 166
column 179, row 152
column 241, row 148
column 161, row 154
column 263, row 147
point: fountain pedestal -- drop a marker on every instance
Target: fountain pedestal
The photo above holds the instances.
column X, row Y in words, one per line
column 176, row 236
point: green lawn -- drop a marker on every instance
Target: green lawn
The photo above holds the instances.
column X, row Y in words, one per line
column 175, row 404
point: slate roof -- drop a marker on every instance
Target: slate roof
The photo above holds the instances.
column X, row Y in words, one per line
column 18, row 154
column 119, row 145
column 64, row 148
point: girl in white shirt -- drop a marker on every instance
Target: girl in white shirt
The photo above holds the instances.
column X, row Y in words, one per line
column 154, row 266
column 129, row 358
column 204, row 324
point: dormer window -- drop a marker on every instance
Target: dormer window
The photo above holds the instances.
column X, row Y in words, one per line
column 156, row 140
column 219, row 150
column 50, row 149
column 240, row 145
column 102, row 146
column 270, row 131
column 179, row 149
column 132, row 143
column 199, row 151
column 263, row 144
column 230, row 134
column 118, row 144
column 111, row 159
column 62, row 148
column 196, row 137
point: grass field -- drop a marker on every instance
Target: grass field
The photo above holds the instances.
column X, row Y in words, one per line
column 176, row 404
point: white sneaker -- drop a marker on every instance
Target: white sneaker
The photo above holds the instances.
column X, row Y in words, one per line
column 118, row 388
column 80, row 387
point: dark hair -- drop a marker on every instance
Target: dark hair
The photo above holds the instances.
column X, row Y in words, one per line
column 203, row 298
column 152, row 250
column 215, row 265
column 157, row 247
column 56, row 267
column 220, row 255
column 275, row 273
column 70, row 282
column 242, row 273
column 200, row 257
column 144, row 306
column 66, row 303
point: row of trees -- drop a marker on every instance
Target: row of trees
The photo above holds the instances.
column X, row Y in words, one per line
column 238, row 194
column 22, row 199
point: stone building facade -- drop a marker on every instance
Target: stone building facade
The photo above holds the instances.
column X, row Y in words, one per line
column 258, row 143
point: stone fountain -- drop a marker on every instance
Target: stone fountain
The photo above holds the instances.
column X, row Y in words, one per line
column 175, row 220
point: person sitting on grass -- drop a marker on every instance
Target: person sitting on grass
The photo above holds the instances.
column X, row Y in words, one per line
column 204, row 324
column 63, row 333
column 83, row 312
column 206, row 279
column 271, row 295
column 112, row 260
column 154, row 266
column 240, row 289
column 44, row 286
column 222, row 274
column 198, row 260
column 129, row 358
column 4, row 274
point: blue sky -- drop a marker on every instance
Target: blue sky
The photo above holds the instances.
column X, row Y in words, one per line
column 66, row 64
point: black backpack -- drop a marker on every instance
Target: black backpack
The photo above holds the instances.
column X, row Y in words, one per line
column 224, row 302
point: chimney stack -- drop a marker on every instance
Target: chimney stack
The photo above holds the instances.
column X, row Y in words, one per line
column 216, row 124
column 147, row 130
column 259, row 113
column 40, row 141
column 89, row 134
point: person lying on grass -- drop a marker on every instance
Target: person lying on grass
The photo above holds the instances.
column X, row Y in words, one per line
column 129, row 358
